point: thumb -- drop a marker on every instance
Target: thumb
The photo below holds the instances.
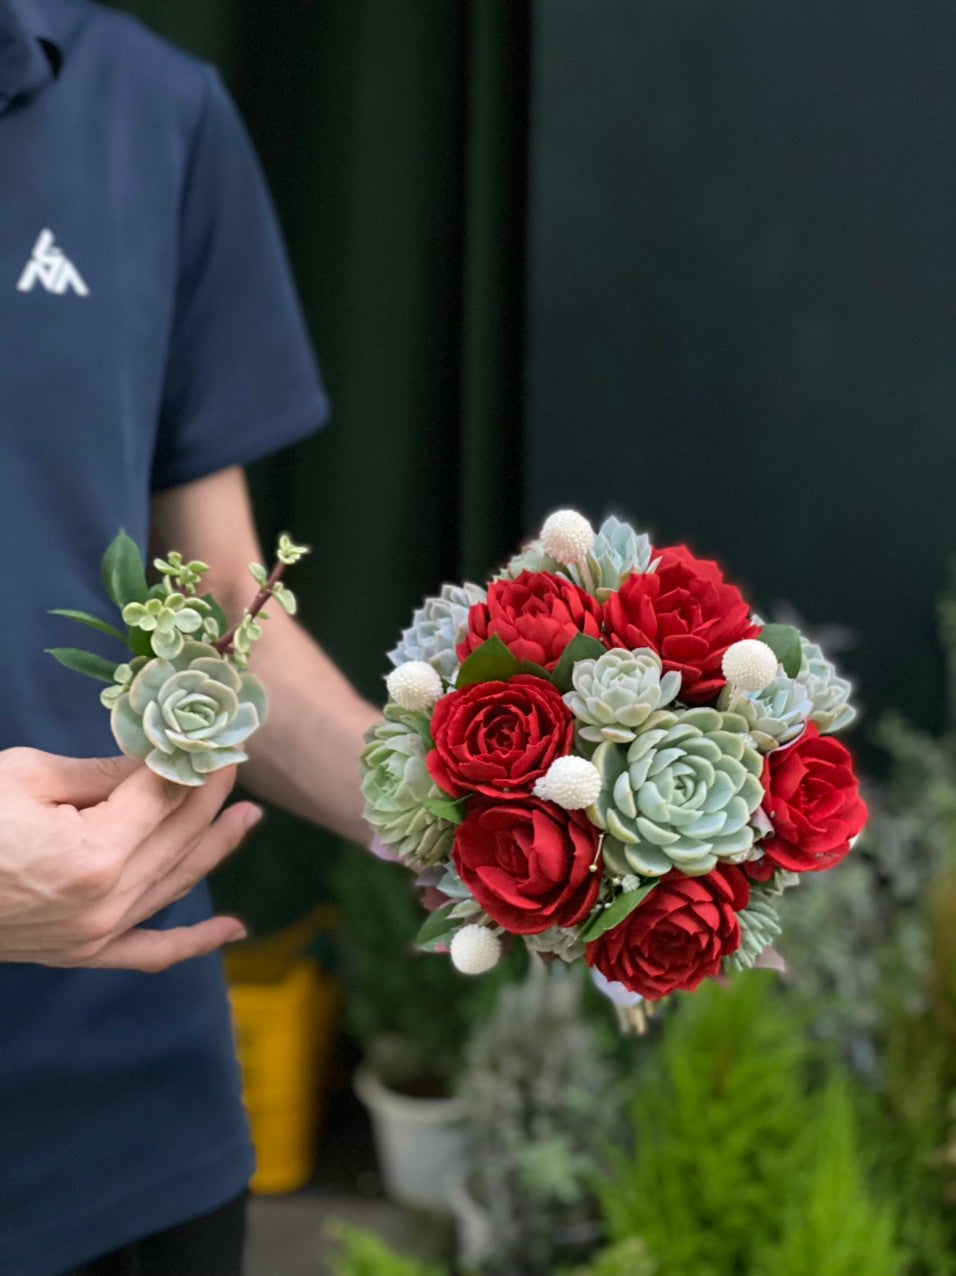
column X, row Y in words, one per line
column 81, row 782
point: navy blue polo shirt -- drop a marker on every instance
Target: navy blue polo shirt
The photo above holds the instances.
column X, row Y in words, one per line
column 149, row 336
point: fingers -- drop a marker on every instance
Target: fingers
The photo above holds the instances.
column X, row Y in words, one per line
column 220, row 840
column 80, row 782
column 143, row 801
column 152, row 951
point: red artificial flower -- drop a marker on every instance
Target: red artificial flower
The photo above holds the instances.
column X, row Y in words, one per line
column 535, row 616
column 688, row 614
column 677, row 937
column 529, row 864
column 813, row 801
column 497, row 738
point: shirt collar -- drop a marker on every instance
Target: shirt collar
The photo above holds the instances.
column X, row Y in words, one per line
column 30, row 50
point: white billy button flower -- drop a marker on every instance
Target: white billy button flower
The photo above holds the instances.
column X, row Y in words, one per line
column 567, row 536
column 475, row 950
column 571, row 782
column 415, row 686
column 750, row 665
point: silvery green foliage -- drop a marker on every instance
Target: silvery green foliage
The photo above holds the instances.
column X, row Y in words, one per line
column 775, row 716
column 560, row 941
column 759, row 927
column 396, row 784
column 614, row 695
column 189, row 716
column 618, row 552
column 540, row 1105
column 437, row 627
column 829, row 693
column 681, row 795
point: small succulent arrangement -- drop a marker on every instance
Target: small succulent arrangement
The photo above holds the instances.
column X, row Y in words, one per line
column 180, row 698
column 605, row 754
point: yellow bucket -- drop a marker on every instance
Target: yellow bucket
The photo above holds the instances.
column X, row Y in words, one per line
column 285, row 1029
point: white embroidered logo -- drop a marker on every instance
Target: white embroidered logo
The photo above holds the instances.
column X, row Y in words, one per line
column 52, row 269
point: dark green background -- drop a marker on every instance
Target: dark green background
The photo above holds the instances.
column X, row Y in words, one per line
column 708, row 280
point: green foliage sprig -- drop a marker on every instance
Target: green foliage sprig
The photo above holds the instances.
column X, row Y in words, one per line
column 179, row 698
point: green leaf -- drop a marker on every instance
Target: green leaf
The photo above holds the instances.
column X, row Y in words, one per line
column 446, row 808
column 491, row 662
column 217, row 613
column 97, row 667
column 437, row 924
column 84, row 618
column 140, row 643
column 123, row 572
column 621, row 908
column 539, row 671
column 784, row 642
column 581, row 647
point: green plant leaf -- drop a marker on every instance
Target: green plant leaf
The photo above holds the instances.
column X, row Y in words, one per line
column 437, row 924
column 539, row 671
column 446, row 808
column 581, row 647
column 784, row 642
column 491, row 662
column 93, row 666
column 123, row 572
column 84, row 618
column 621, row 908
column 217, row 613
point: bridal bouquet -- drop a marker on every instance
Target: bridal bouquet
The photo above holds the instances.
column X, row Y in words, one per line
column 606, row 753
column 180, row 698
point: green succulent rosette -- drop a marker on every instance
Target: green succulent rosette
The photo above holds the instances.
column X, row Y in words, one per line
column 775, row 716
column 617, row 553
column 437, row 627
column 188, row 716
column 828, row 692
column 681, row 795
column 614, row 695
column 396, row 786
column 759, row 927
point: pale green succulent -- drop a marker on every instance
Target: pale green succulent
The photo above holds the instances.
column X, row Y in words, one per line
column 774, row 716
column 437, row 627
column 189, row 716
column 759, row 927
column 615, row 694
column 618, row 552
column 829, row 693
column 396, row 786
column 167, row 620
column 560, row 941
column 681, row 795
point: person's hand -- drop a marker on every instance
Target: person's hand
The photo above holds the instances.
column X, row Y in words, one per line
column 90, row 848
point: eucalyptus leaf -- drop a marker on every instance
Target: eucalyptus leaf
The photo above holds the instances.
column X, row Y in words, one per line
column 86, row 662
column 93, row 622
column 491, row 662
column 620, row 909
column 581, row 647
column 784, row 642
column 124, row 573
column 446, row 808
column 437, row 924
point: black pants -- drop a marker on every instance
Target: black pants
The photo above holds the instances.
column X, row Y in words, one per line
column 207, row 1246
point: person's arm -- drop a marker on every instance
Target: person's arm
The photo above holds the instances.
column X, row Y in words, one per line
column 92, row 847
column 306, row 757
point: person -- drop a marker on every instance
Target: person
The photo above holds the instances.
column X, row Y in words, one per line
column 151, row 345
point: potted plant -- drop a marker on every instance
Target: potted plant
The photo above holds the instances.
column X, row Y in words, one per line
column 411, row 1014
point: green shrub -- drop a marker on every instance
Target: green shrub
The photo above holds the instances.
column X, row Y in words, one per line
column 360, row 1253
column 627, row 1258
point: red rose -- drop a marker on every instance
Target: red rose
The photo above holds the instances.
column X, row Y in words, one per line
column 679, row 935
column 535, row 616
column 529, row 865
column 497, row 738
column 688, row 614
column 813, row 801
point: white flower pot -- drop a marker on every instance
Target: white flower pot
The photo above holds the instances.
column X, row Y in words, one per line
column 420, row 1143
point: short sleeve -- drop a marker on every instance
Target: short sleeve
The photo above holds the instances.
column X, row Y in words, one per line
column 241, row 379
